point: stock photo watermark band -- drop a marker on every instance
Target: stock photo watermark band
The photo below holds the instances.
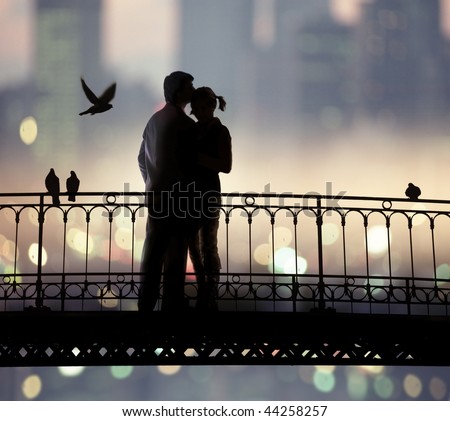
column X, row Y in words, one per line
column 190, row 201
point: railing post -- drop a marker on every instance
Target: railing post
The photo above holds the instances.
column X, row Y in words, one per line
column 408, row 297
column 319, row 221
column 39, row 298
column 294, row 293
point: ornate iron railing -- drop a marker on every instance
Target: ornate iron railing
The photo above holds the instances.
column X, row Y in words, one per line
column 287, row 252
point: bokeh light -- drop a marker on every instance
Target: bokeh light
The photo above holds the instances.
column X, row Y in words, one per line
column 7, row 249
column 263, row 254
column 71, row 371
column 412, row 385
column 281, row 237
column 287, row 262
column 438, row 388
column 377, row 240
column 11, row 273
column 121, row 372
column 124, row 238
column 79, row 241
column 32, row 386
column 326, row 368
column 443, row 272
column 169, row 370
column 383, row 386
column 33, row 254
column 324, row 381
column 28, row 130
column 372, row 369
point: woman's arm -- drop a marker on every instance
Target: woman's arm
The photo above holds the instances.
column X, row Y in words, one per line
column 223, row 162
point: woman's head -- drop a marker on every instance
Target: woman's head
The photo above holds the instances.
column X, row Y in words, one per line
column 204, row 102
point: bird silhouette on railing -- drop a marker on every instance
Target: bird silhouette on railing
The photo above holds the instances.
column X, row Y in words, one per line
column 52, row 185
column 101, row 103
column 412, row 191
column 72, row 185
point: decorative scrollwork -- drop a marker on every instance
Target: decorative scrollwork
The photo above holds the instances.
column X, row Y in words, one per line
column 275, row 249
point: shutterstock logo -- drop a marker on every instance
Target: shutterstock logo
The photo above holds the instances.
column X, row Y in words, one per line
column 182, row 201
column 270, row 199
column 189, row 201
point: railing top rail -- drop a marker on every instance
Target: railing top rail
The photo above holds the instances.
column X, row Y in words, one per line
column 284, row 195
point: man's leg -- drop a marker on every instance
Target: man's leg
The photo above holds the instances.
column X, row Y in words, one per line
column 175, row 274
column 155, row 246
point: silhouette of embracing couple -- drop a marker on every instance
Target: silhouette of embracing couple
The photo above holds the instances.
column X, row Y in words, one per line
column 180, row 160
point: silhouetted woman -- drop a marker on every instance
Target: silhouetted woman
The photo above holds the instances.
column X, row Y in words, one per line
column 213, row 142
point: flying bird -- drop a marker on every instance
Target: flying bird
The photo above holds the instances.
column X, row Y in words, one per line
column 72, row 185
column 52, row 185
column 101, row 103
column 412, row 191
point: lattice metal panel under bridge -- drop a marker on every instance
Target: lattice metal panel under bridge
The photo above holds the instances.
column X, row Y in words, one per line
column 128, row 338
column 306, row 279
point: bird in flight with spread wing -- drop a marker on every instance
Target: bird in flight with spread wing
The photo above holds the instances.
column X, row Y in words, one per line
column 101, row 103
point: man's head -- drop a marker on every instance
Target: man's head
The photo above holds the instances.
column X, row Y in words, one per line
column 178, row 88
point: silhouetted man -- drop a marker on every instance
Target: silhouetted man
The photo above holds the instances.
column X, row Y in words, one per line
column 163, row 164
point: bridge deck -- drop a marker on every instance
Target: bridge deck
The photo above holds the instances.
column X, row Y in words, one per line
column 380, row 263
column 47, row 338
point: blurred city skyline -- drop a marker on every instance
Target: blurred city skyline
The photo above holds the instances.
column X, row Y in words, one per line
column 157, row 18
column 322, row 77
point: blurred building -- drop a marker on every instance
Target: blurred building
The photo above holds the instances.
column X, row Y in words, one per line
column 293, row 64
column 324, row 53
column 282, row 63
column 67, row 46
column 215, row 38
column 403, row 62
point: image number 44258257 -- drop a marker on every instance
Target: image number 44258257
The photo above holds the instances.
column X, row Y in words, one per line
column 296, row 410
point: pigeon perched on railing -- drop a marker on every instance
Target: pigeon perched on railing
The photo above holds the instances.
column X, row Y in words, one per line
column 101, row 103
column 72, row 185
column 412, row 191
column 52, row 185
